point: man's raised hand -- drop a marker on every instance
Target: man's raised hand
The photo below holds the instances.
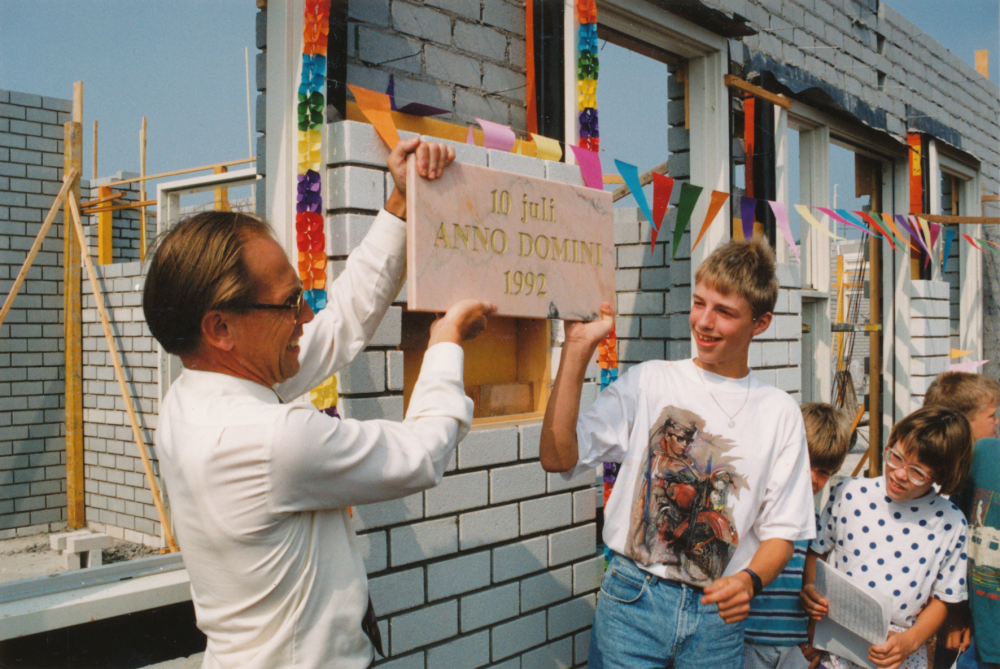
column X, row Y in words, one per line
column 463, row 321
column 432, row 158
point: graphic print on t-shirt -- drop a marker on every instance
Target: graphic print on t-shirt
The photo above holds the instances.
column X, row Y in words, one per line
column 680, row 516
column 984, row 544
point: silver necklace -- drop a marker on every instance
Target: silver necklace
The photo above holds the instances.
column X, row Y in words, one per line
column 732, row 418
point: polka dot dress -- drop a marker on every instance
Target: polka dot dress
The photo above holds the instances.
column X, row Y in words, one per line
column 911, row 550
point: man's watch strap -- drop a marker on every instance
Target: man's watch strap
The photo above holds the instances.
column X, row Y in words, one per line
column 758, row 584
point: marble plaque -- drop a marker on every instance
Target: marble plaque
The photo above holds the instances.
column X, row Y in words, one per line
column 536, row 248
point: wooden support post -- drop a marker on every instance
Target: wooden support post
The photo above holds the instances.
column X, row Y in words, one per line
column 875, row 337
column 73, row 322
column 221, row 194
column 142, row 190
column 140, row 442
column 105, row 226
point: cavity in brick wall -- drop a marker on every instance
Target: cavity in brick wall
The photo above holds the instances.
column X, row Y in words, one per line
column 465, row 56
column 32, row 445
column 117, row 497
column 125, row 231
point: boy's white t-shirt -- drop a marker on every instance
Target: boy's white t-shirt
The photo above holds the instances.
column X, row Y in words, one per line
column 912, row 550
column 695, row 497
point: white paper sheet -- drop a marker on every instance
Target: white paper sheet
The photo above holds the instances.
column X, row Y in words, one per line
column 858, row 617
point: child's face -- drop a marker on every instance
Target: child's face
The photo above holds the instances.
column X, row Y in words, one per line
column 984, row 424
column 819, row 477
column 901, row 466
column 723, row 325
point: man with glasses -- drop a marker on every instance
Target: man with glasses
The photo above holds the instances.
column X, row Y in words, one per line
column 260, row 485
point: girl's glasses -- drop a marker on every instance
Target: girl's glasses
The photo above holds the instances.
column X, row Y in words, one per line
column 917, row 475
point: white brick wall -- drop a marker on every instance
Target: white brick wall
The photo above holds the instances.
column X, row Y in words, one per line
column 930, row 337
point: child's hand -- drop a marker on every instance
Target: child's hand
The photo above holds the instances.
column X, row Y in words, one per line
column 812, row 654
column 959, row 639
column 815, row 605
column 589, row 334
column 893, row 652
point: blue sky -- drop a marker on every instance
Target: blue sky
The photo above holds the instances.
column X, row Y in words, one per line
column 181, row 64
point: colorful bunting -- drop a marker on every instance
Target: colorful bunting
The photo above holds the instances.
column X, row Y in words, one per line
column 718, row 198
column 685, row 207
column 547, row 148
column 663, row 186
column 630, row 175
column 948, row 239
column 847, row 218
column 496, row 136
column 969, row 239
column 957, row 353
column 967, row 366
column 895, row 231
column 811, row 220
column 781, row 216
column 873, row 224
column 376, row 107
column 590, row 167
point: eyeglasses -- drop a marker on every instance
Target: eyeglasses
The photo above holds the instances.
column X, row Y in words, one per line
column 297, row 306
column 917, row 475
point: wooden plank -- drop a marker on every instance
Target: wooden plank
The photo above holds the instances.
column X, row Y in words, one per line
column 983, row 62
column 140, row 442
column 117, row 207
column 645, row 179
column 613, row 179
column 968, row 220
column 100, row 200
column 758, row 92
column 105, row 228
column 502, row 399
column 9, row 302
column 73, row 332
column 141, row 179
column 991, row 198
column 142, row 190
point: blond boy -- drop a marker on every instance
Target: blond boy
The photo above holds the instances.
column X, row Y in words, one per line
column 714, row 485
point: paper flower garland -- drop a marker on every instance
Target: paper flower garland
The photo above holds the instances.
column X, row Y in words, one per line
column 587, row 70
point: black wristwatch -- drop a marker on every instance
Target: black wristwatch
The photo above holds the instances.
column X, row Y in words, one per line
column 758, row 584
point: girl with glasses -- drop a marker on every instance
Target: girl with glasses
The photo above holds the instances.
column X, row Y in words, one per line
column 898, row 536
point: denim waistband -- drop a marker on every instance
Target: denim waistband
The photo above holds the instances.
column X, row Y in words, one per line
column 653, row 578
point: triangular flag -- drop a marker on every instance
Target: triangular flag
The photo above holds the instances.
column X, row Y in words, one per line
column 923, row 236
column 909, row 226
column 926, row 231
column 956, row 353
column 870, row 220
column 846, row 218
column 630, row 174
column 984, row 246
column 376, row 107
column 935, row 231
column 497, row 136
column 969, row 239
column 714, row 205
column 781, row 216
column 685, row 207
column 811, row 220
column 590, row 166
column 899, row 236
column 470, row 138
column 949, row 237
column 967, row 366
column 547, row 148
column 663, row 186
column 748, row 210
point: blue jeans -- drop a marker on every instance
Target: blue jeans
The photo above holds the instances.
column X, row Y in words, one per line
column 970, row 659
column 645, row 622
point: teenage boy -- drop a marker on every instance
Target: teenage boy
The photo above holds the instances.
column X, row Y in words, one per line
column 777, row 625
column 976, row 395
column 714, row 485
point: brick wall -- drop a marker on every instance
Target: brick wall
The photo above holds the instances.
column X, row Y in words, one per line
column 125, row 231
column 32, row 446
column 929, row 336
column 117, row 497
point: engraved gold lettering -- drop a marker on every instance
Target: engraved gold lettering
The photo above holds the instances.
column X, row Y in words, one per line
column 543, row 210
column 524, row 204
column 493, row 241
column 560, row 252
column 538, row 246
column 478, row 236
column 525, row 237
column 585, row 248
column 552, row 211
column 442, row 236
column 461, row 234
column 599, row 255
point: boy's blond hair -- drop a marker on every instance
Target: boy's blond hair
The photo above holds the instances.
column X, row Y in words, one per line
column 964, row 392
column 828, row 435
column 744, row 268
column 940, row 438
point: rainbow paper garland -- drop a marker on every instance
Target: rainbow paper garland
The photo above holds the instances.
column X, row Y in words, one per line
column 587, row 67
column 310, row 239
